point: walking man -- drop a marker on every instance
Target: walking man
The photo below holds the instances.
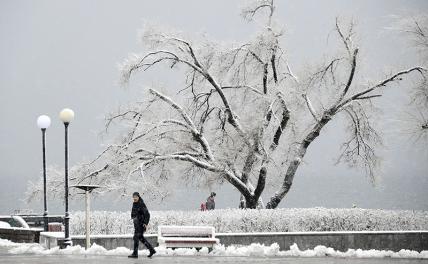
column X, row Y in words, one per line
column 140, row 216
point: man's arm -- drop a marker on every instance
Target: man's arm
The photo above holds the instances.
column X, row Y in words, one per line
column 146, row 215
column 133, row 214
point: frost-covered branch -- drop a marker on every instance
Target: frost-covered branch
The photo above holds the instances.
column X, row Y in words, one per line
column 393, row 78
column 310, row 107
column 196, row 134
column 359, row 149
column 254, row 7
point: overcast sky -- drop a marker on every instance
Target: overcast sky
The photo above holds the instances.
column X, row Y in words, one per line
column 56, row 54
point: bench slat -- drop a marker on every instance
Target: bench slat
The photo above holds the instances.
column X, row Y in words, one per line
column 187, row 239
column 187, row 236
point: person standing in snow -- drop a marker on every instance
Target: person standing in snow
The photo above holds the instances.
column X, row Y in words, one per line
column 210, row 205
column 140, row 216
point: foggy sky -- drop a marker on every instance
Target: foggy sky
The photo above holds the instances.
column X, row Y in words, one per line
column 56, row 54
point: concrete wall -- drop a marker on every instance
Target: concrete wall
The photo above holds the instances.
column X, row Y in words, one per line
column 414, row 240
column 111, row 242
column 392, row 240
column 20, row 235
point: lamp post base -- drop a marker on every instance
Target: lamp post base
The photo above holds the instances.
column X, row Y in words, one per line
column 64, row 242
column 45, row 221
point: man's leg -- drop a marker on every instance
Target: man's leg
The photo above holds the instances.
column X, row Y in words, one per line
column 136, row 244
column 148, row 245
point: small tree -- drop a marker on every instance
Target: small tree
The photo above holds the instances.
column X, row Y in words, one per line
column 239, row 116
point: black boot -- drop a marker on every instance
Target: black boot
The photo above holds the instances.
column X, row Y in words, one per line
column 152, row 252
column 149, row 247
column 133, row 255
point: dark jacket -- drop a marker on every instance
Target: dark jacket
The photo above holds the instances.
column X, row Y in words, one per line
column 210, row 203
column 140, row 214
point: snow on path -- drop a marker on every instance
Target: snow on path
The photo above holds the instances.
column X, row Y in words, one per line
column 220, row 250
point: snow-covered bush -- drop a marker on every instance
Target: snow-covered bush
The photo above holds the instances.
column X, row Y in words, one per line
column 253, row 220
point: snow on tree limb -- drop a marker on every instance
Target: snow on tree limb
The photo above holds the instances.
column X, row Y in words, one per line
column 310, row 106
column 197, row 135
column 395, row 77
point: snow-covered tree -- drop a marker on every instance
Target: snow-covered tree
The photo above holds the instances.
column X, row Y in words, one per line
column 238, row 114
column 416, row 29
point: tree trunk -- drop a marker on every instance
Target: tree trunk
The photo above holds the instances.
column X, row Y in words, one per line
column 294, row 165
column 251, row 203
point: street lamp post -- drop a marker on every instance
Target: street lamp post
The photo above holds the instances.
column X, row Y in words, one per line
column 43, row 122
column 66, row 116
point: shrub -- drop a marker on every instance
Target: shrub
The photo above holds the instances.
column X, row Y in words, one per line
column 279, row 220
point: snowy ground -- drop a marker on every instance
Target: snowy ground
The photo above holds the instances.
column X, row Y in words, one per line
column 34, row 253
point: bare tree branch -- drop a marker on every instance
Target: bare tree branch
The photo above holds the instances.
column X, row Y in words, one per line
column 395, row 77
column 310, row 107
column 197, row 135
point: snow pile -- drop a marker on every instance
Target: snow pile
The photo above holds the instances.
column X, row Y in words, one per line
column 322, row 251
column 4, row 224
column 279, row 220
column 95, row 249
column 253, row 250
column 8, row 243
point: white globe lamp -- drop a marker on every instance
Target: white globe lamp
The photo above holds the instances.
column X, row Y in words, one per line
column 43, row 121
column 66, row 115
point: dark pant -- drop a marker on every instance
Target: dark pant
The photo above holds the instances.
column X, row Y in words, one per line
column 139, row 236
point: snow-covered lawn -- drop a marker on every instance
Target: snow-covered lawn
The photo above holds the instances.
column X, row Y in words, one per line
column 279, row 220
column 220, row 250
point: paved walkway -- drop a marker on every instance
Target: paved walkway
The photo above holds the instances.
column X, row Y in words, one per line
column 24, row 259
column 5, row 257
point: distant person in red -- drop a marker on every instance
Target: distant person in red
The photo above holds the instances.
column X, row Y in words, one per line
column 203, row 207
column 210, row 205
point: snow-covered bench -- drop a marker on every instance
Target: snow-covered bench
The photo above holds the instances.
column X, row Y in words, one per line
column 187, row 236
